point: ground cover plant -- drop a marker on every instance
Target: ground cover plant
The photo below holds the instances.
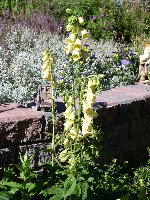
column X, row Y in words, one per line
column 73, row 172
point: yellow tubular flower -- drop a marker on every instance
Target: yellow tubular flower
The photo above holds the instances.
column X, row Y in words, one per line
column 73, row 133
column 68, row 111
column 77, row 45
column 45, row 57
column 85, row 34
column 68, row 48
column 75, row 55
column 47, row 75
column 69, row 27
column 75, row 29
column 45, row 65
column 90, row 98
column 70, row 101
column 45, row 52
column 81, row 20
column 71, row 38
column 68, row 124
column 63, row 156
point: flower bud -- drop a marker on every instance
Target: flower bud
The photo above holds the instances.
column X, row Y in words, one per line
column 69, row 27
column 81, row 20
column 66, row 142
column 69, row 11
column 45, row 57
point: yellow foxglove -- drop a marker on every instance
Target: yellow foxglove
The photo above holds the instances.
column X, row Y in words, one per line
column 68, row 48
column 77, row 45
column 68, row 124
column 87, row 125
column 90, row 98
column 75, row 55
column 63, row 156
column 47, row 75
column 81, row 20
column 69, row 27
column 45, row 52
column 71, row 38
column 75, row 29
column 72, row 116
column 70, row 101
column 45, row 57
column 85, row 132
column 85, row 34
column 73, row 133
column 68, row 111
column 45, row 65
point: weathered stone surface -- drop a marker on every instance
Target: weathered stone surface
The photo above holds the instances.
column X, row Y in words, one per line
column 106, row 116
column 135, row 150
column 7, row 156
column 18, row 124
column 124, row 116
column 139, row 127
column 129, row 111
column 115, row 135
column 39, row 152
column 146, row 106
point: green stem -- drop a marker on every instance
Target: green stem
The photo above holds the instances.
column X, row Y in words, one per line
column 53, row 121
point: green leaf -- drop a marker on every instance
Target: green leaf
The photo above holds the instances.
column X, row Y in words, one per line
column 57, row 197
column 12, row 184
column 52, row 190
column 84, row 187
column 78, row 190
column 90, row 179
column 30, row 186
column 69, row 186
column 4, row 196
column 142, row 195
column 126, row 197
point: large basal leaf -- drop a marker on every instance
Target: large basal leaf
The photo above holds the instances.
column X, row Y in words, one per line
column 57, row 197
column 5, row 196
column 69, row 186
column 52, row 190
column 84, row 188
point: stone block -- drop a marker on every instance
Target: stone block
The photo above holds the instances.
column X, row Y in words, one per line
column 39, row 151
column 106, row 116
column 135, row 150
column 8, row 156
column 139, row 127
column 115, row 135
column 129, row 111
column 146, row 106
column 19, row 124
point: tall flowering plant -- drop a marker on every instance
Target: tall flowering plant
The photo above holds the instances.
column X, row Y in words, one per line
column 79, row 131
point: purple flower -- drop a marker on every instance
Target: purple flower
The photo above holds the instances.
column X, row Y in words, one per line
column 85, row 45
column 125, row 62
column 104, row 15
column 94, row 18
column 7, row 11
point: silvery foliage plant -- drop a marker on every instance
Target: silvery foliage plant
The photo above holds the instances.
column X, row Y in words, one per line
column 21, row 60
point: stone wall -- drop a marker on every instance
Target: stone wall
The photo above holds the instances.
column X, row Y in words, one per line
column 123, row 117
